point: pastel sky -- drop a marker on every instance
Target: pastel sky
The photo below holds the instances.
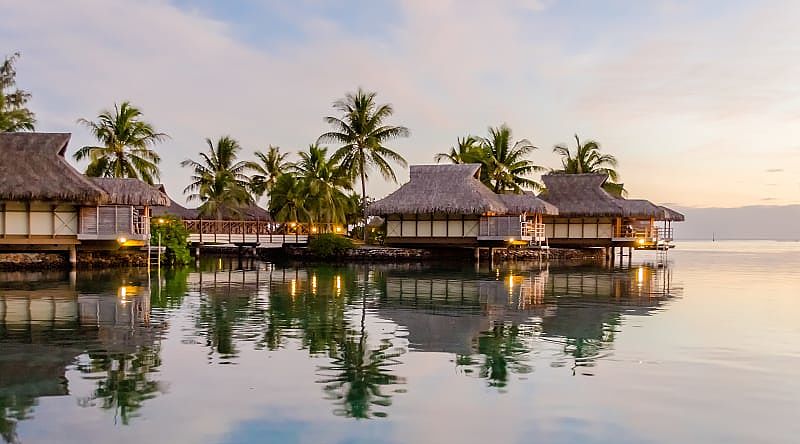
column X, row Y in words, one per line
column 699, row 100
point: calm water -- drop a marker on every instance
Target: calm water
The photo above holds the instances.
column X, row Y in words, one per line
column 703, row 349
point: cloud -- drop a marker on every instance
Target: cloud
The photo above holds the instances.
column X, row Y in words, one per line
column 674, row 97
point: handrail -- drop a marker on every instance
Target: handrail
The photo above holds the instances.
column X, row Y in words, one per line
column 259, row 228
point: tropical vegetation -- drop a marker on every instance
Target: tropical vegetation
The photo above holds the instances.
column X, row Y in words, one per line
column 14, row 114
column 362, row 132
column 466, row 150
column 169, row 232
column 267, row 169
column 505, row 166
column 329, row 245
column 219, row 179
column 587, row 158
column 126, row 148
column 319, row 187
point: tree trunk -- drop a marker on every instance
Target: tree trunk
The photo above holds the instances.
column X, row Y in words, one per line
column 364, row 196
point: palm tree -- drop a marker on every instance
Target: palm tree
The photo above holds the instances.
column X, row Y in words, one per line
column 287, row 201
column 589, row 159
column 505, row 165
column 467, row 150
column 127, row 143
column 14, row 116
column 267, row 169
column 362, row 132
column 219, row 179
column 325, row 184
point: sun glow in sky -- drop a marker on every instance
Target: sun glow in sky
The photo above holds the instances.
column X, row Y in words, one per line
column 698, row 100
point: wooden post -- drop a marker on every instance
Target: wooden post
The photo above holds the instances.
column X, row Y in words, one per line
column 53, row 218
column 73, row 256
column 28, row 208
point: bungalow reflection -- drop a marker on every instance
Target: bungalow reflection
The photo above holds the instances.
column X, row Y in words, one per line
column 97, row 325
column 493, row 321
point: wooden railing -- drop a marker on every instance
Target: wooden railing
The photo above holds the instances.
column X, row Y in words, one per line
column 535, row 230
column 256, row 231
column 651, row 234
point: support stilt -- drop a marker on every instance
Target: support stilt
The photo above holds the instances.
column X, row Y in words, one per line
column 73, row 257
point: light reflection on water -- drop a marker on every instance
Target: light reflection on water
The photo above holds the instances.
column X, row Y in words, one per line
column 244, row 351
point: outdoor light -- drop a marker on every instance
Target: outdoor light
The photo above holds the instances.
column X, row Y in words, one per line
column 161, row 221
column 314, row 229
column 122, row 240
column 338, row 229
column 292, row 224
column 641, row 241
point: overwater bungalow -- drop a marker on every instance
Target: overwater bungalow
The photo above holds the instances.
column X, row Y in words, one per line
column 588, row 216
column 45, row 204
column 447, row 205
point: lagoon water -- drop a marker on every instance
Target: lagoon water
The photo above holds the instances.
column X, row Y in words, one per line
column 702, row 347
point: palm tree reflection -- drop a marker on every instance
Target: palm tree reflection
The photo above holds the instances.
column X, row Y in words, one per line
column 123, row 381
column 356, row 375
column 501, row 351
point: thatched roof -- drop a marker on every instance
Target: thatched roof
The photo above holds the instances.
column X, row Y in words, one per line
column 453, row 189
column 249, row 212
column 130, row 192
column 174, row 208
column 672, row 215
column 521, row 203
column 32, row 167
column 252, row 212
column 583, row 195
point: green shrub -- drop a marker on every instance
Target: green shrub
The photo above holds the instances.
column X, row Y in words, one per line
column 329, row 245
column 174, row 236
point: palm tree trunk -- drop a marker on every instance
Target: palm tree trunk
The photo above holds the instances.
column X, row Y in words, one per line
column 364, row 202
column 364, row 196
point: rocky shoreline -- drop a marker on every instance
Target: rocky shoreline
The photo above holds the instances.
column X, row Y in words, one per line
column 385, row 254
column 104, row 259
column 60, row 261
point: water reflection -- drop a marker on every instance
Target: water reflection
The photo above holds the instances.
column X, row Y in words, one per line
column 98, row 324
column 493, row 325
column 355, row 323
